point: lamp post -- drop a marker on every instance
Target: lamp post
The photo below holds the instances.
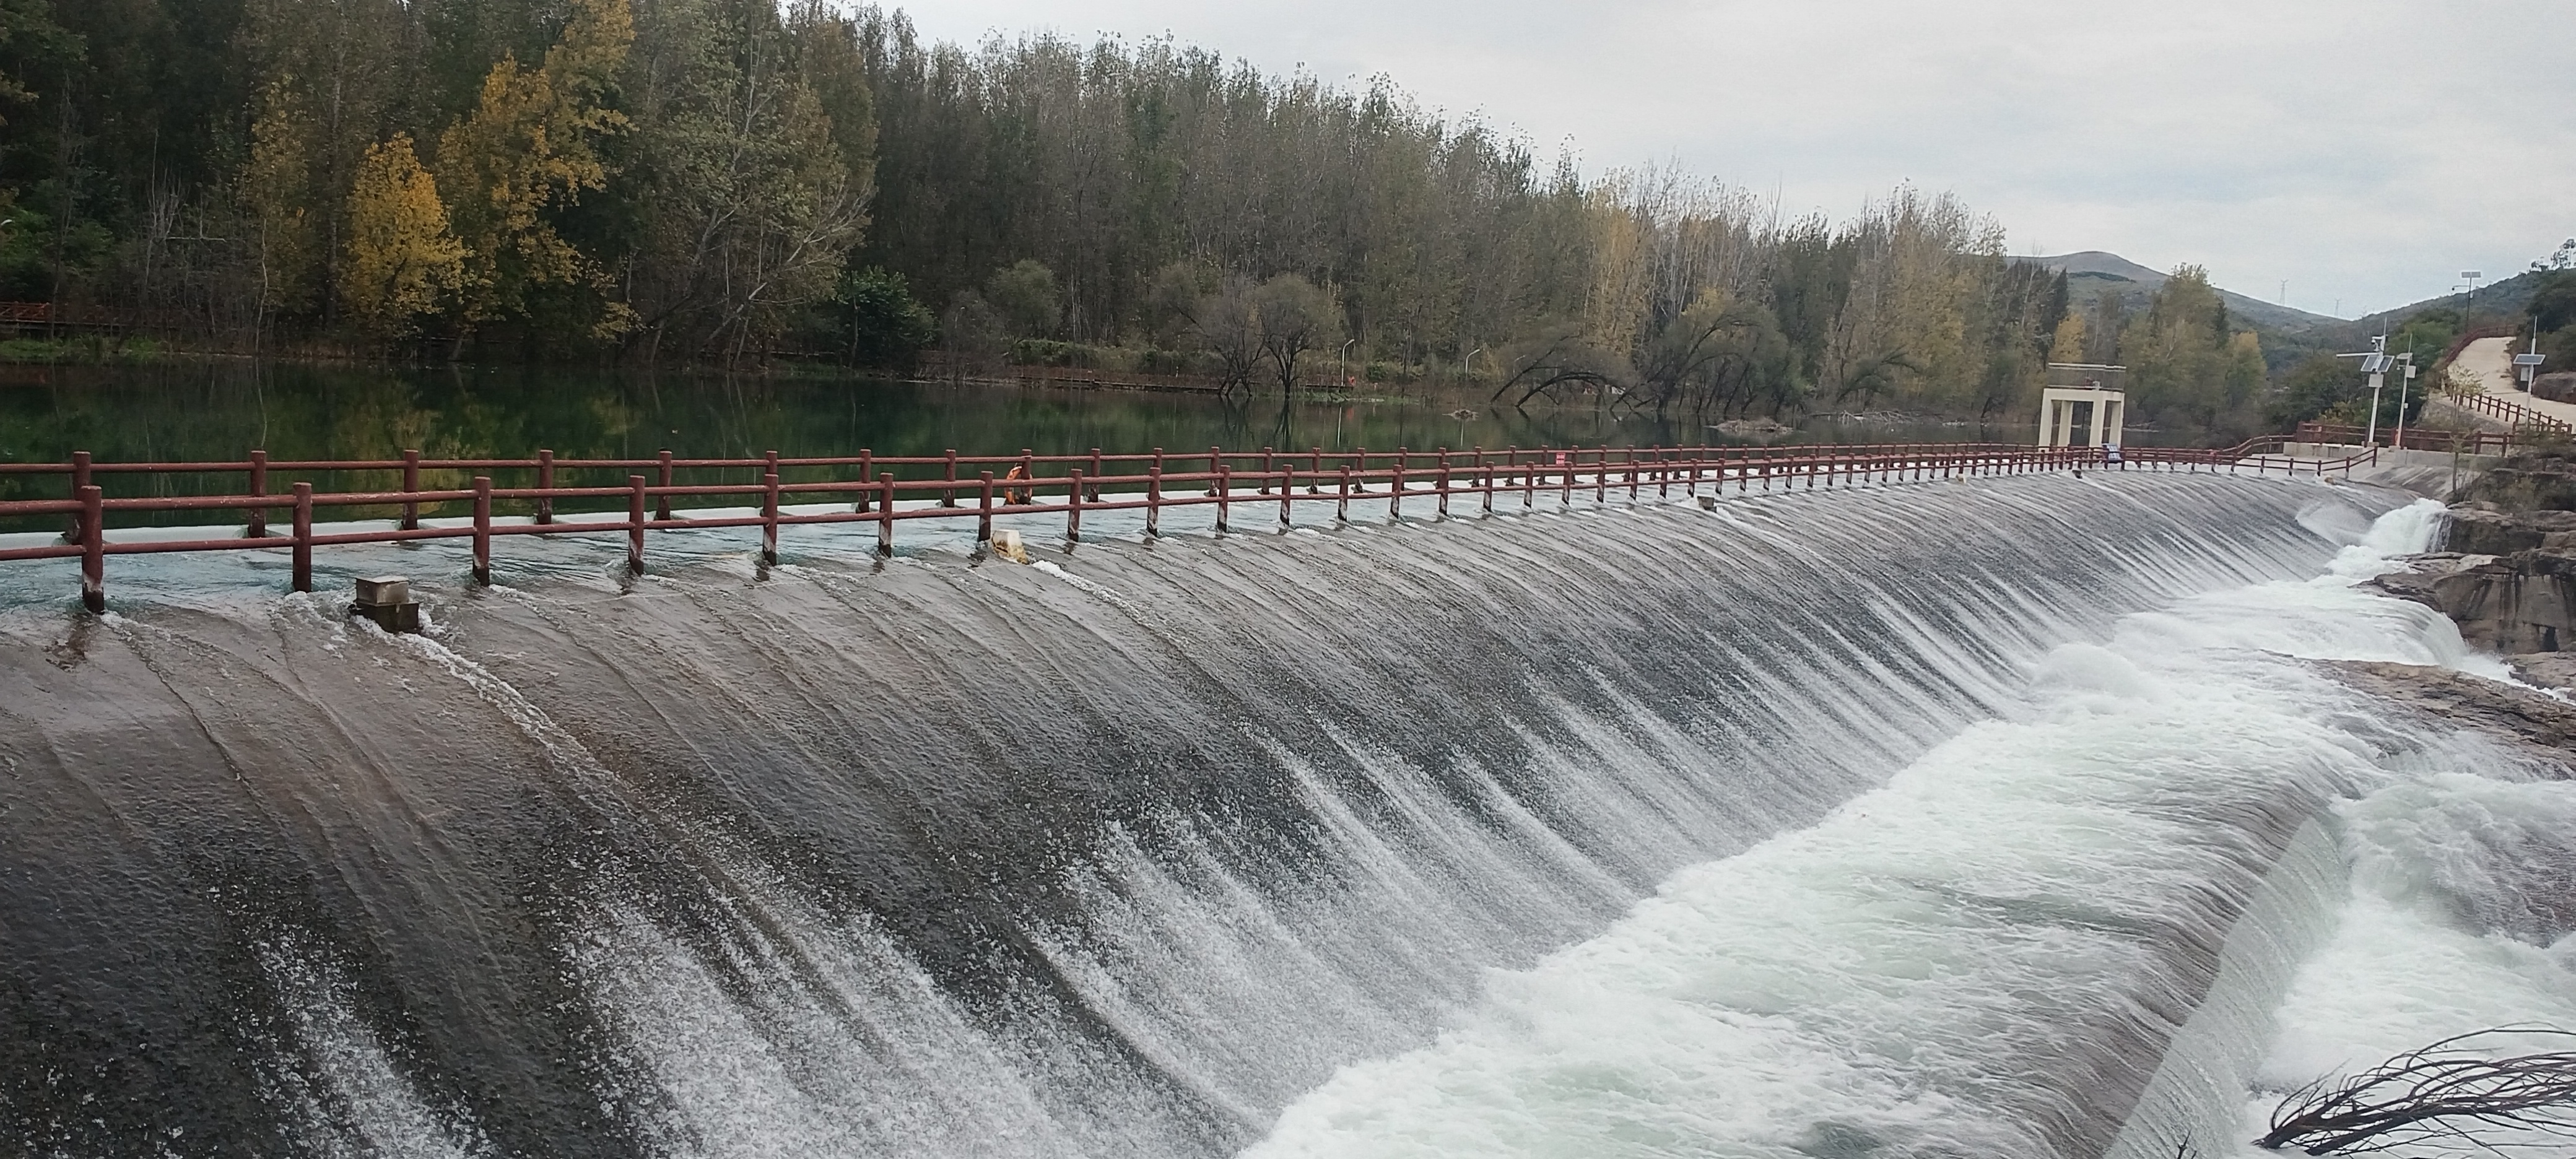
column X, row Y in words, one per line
column 1342, row 364
column 2472, row 277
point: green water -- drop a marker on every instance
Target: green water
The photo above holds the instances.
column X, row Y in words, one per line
column 219, row 411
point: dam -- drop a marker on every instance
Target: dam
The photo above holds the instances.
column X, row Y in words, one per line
column 1985, row 815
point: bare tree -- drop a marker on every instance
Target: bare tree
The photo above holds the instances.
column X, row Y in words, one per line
column 2447, row 1091
column 1293, row 316
column 1559, row 360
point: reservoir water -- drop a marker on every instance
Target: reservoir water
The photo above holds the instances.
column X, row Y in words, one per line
column 2003, row 816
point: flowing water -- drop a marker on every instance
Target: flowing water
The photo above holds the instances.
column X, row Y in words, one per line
column 1991, row 817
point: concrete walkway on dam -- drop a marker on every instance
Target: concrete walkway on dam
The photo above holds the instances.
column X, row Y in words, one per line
column 2435, row 474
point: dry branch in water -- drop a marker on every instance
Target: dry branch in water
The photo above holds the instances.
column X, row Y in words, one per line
column 2445, row 1091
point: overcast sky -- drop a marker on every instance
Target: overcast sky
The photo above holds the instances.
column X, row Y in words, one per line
column 2363, row 151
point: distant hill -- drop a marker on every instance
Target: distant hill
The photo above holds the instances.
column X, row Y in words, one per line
column 2093, row 273
column 2288, row 335
column 2505, row 299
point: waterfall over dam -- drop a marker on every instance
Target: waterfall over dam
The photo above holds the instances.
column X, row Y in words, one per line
column 1900, row 821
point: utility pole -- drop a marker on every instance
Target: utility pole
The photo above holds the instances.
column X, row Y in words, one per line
column 2527, row 366
column 2375, row 363
column 2403, row 385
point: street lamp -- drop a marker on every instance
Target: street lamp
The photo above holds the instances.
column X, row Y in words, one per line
column 1342, row 363
column 2472, row 277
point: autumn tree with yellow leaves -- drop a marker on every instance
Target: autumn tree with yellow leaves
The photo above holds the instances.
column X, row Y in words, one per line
column 528, row 147
column 401, row 258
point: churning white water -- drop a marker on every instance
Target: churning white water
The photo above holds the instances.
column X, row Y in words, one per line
column 1911, row 975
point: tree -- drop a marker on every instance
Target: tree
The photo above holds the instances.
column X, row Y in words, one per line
column 2316, row 385
column 402, row 260
column 2067, row 344
column 528, row 147
column 880, row 323
column 974, row 333
column 1024, row 294
column 2177, row 353
column 1293, row 316
column 2451, row 1092
column 276, row 194
column 1558, row 359
column 1217, row 313
column 747, row 208
column 28, row 31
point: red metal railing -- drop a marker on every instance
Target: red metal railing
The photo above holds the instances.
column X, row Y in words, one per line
column 2417, row 438
column 2511, row 413
column 1069, row 485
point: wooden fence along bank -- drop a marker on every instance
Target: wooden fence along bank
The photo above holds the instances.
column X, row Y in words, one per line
column 892, row 490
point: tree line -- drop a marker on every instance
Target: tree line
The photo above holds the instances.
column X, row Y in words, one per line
column 729, row 180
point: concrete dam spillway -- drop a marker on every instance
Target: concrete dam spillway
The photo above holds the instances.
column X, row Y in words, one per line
column 1995, row 816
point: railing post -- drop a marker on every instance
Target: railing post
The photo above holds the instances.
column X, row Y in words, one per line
column 411, row 487
column 303, row 554
column 635, row 525
column 1073, row 507
column 258, row 528
column 662, row 508
column 1360, row 481
column 948, row 494
column 545, row 482
column 1216, row 455
column 80, row 479
column 93, row 541
column 885, row 513
column 483, row 530
column 1601, row 476
column 1315, row 473
column 1342, row 506
column 984, row 510
column 769, row 517
column 1154, row 496
column 1443, row 485
column 1287, row 489
column 1095, row 474
column 1224, row 493
column 1269, row 464
column 867, row 463
column 1395, row 501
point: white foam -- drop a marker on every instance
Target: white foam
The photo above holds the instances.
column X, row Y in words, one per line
column 1940, row 961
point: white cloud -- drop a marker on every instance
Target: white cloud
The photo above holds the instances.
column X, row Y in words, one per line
column 2362, row 150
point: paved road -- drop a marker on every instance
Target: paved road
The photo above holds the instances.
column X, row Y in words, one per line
column 2491, row 359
